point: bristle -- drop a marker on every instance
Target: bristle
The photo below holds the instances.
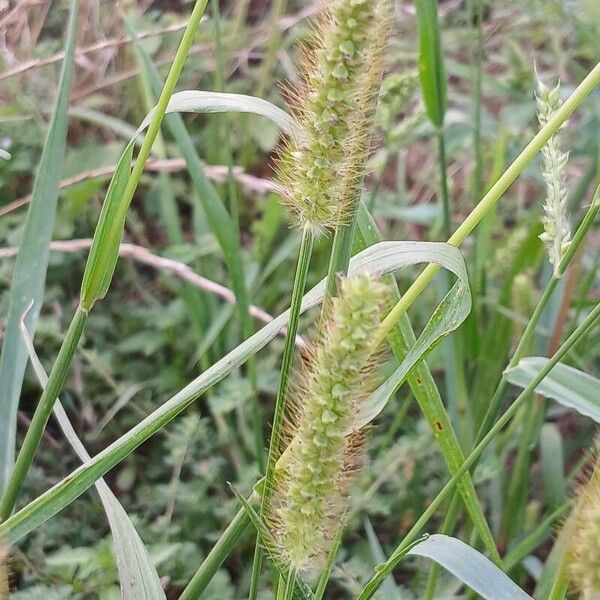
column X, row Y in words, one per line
column 557, row 232
column 314, row 473
column 584, row 546
column 335, row 105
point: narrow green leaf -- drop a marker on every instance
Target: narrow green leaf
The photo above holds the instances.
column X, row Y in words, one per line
column 104, row 252
column 568, row 386
column 137, row 575
column 379, row 259
column 32, row 260
column 446, row 318
column 470, row 566
column 402, row 340
column 431, row 62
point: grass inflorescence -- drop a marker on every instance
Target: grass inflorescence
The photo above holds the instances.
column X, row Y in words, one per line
column 341, row 71
column 314, row 474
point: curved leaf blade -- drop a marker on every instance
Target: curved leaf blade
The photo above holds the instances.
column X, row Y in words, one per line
column 568, row 386
column 200, row 101
column 448, row 316
column 470, row 566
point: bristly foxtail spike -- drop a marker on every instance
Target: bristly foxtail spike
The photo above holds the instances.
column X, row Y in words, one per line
column 341, row 77
column 584, row 549
column 315, row 472
column 557, row 231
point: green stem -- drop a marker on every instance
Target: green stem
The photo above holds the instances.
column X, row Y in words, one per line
column 163, row 100
column 525, row 340
column 476, row 15
column 324, row 579
column 386, row 568
column 42, row 412
column 290, row 585
column 216, row 556
column 304, row 256
column 492, row 197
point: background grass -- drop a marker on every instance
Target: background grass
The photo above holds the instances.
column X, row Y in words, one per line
column 155, row 333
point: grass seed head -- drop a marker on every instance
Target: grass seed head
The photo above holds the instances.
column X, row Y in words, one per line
column 335, row 105
column 314, row 473
column 584, row 545
column 557, row 232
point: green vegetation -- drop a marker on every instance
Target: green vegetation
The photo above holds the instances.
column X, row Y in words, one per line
column 417, row 204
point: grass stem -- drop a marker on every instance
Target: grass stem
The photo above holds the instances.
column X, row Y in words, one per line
column 42, row 412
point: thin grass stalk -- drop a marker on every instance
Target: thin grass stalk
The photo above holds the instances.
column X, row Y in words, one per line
column 475, row 9
column 492, row 197
column 454, row 374
column 61, row 366
column 560, row 585
column 580, row 233
column 42, row 412
column 386, row 568
column 326, row 573
column 287, row 361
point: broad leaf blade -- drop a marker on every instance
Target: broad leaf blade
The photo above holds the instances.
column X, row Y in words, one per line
column 32, row 260
column 568, row 386
column 137, row 575
column 382, row 258
column 470, row 566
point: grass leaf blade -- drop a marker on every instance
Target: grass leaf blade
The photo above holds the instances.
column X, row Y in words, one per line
column 431, row 63
column 470, row 566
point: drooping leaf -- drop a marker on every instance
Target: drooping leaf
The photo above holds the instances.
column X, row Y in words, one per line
column 568, row 386
column 447, row 317
column 470, row 566
column 32, row 260
column 200, row 101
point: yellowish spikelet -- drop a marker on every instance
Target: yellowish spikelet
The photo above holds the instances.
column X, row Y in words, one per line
column 557, row 231
column 584, row 543
column 341, row 77
column 314, row 474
